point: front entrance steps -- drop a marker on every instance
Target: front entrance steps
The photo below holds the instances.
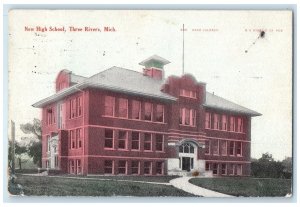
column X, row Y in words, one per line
column 185, row 173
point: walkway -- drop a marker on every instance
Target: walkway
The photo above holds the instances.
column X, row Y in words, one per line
column 183, row 184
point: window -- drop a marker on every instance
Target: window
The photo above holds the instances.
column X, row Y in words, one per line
column 215, row 147
column 50, row 116
column 72, row 167
column 48, row 143
column 216, row 121
column 193, row 94
column 73, row 139
column 135, row 165
column 224, row 122
column 207, row 147
column 147, row 167
column 232, row 124
column 231, row 148
column 122, row 167
column 187, row 117
column 159, row 113
column 109, row 106
column 136, row 109
column 159, row 168
column 72, row 108
column 135, row 141
column 238, row 148
column 159, row 142
column 148, row 141
column 207, row 166
column 56, row 161
column 108, row 166
column 79, row 106
column 79, row 167
column 239, row 169
column 223, row 147
column 207, row 120
column 122, row 140
column 79, row 137
column 223, row 169
column 240, row 127
column 215, row 168
column 193, row 114
column 123, row 107
column 187, row 93
column 231, row 169
column 108, row 138
column 186, row 148
column 75, row 107
column 148, row 111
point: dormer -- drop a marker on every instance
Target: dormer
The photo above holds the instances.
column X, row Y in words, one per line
column 154, row 67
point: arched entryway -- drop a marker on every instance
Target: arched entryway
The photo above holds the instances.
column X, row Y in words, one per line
column 187, row 156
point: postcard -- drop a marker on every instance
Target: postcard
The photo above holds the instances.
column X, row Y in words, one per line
column 150, row 103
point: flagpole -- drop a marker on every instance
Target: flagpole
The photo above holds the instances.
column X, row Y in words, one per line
column 183, row 50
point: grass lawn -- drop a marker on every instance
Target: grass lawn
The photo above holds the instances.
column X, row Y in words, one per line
column 53, row 186
column 246, row 186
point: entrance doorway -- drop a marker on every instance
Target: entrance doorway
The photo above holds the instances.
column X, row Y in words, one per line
column 187, row 163
column 187, row 156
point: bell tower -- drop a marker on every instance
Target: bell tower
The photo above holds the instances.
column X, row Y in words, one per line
column 154, row 67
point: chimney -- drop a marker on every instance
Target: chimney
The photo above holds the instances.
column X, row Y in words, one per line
column 154, row 67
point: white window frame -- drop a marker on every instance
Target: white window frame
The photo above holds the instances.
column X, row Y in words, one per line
column 114, row 106
column 113, row 139
column 151, row 139
column 207, row 120
column 126, row 117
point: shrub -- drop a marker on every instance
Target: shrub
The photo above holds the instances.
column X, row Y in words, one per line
column 195, row 173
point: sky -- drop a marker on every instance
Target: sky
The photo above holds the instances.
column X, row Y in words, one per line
column 215, row 52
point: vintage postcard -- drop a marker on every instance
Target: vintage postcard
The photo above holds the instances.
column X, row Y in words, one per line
column 181, row 103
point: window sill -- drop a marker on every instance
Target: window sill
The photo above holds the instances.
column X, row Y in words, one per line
column 187, row 125
column 106, row 148
column 77, row 117
column 188, row 97
column 225, row 131
column 125, row 150
column 114, row 117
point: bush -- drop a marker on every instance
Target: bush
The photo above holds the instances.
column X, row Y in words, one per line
column 54, row 172
column 195, row 173
column 27, row 171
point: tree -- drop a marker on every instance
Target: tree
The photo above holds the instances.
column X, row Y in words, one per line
column 35, row 141
column 266, row 157
column 267, row 167
column 19, row 151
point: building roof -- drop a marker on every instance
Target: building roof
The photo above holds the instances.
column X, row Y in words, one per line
column 77, row 78
column 129, row 81
column 135, row 83
column 155, row 58
column 217, row 102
